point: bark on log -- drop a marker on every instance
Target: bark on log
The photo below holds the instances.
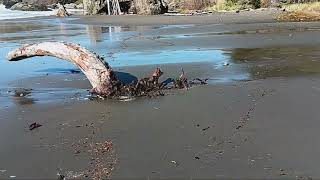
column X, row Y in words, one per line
column 98, row 72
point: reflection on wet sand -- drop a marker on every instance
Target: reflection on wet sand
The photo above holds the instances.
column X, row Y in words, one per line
column 256, row 31
column 99, row 34
column 96, row 33
column 278, row 62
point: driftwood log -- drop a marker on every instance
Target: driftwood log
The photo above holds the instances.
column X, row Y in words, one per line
column 97, row 71
column 101, row 76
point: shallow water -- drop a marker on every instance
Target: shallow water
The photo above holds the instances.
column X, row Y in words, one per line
column 151, row 46
column 109, row 42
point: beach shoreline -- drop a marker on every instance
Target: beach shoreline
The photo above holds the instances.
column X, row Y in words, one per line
column 254, row 16
column 257, row 117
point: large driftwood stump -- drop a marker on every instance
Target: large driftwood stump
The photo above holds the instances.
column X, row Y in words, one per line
column 102, row 78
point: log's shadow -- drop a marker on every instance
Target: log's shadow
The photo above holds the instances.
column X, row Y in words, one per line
column 126, row 78
column 60, row 71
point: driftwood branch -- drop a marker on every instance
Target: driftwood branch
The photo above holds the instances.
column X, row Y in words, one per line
column 102, row 78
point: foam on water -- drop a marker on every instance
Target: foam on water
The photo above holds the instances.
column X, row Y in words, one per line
column 10, row 14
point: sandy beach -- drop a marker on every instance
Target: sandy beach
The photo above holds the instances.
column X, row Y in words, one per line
column 256, row 119
column 259, row 16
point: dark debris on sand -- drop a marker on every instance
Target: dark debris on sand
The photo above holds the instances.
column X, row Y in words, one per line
column 22, row 92
column 34, row 125
column 102, row 159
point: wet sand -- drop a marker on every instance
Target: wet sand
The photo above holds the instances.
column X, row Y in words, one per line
column 257, row 117
column 257, row 129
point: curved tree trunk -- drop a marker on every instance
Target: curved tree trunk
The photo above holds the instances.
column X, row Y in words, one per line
column 98, row 72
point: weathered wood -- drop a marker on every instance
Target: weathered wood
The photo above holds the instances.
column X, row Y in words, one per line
column 98, row 72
